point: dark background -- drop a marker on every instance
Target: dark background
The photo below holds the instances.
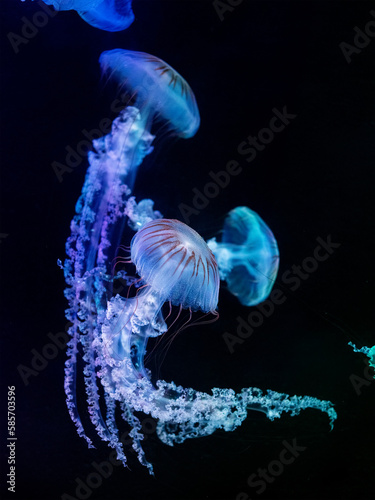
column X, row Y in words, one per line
column 315, row 179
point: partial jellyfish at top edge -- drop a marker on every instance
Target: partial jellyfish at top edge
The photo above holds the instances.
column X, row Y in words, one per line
column 247, row 256
column 158, row 89
column 108, row 15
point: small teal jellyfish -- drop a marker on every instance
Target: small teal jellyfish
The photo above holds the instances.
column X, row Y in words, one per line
column 368, row 351
column 108, row 15
column 248, row 256
column 159, row 90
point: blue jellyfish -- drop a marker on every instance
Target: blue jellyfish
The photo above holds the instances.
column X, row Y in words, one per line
column 159, row 90
column 248, row 256
column 108, row 15
column 97, row 227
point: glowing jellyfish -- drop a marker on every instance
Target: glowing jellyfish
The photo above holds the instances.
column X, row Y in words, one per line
column 159, row 90
column 368, row 351
column 96, row 232
column 248, row 256
column 108, row 15
column 175, row 261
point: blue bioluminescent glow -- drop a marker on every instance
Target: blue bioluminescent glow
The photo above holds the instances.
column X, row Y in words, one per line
column 174, row 265
column 108, row 15
column 248, row 256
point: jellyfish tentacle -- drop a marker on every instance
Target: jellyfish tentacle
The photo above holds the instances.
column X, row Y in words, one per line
column 368, row 351
column 100, row 212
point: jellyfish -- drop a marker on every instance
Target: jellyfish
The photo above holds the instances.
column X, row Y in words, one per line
column 108, row 15
column 177, row 264
column 158, row 89
column 248, row 256
column 96, row 229
column 367, row 351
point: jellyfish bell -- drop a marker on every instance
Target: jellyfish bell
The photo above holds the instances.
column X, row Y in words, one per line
column 108, row 15
column 176, row 262
column 247, row 256
column 160, row 92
